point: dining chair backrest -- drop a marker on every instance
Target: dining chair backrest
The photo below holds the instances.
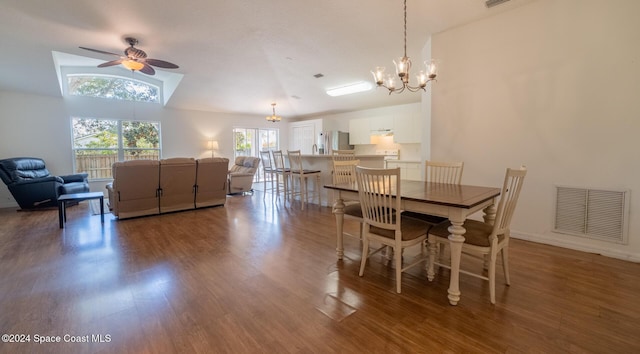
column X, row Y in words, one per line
column 376, row 189
column 344, row 171
column 265, row 156
column 278, row 160
column 443, row 172
column 342, row 155
column 508, row 199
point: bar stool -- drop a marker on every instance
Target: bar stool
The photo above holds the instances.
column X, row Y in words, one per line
column 268, row 173
column 302, row 175
column 283, row 173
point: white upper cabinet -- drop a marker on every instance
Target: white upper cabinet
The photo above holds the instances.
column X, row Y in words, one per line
column 407, row 129
column 359, row 131
column 381, row 123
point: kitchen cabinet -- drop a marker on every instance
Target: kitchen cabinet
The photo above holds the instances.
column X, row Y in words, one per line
column 381, row 123
column 411, row 170
column 359, row 132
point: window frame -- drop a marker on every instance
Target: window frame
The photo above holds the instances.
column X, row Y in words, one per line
column 158, row 88
column 120, row 149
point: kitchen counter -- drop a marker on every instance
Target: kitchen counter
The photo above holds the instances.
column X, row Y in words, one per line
column 356, row 156
column 324, row 163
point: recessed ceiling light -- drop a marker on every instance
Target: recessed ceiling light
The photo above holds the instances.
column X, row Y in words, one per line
column 349, row 89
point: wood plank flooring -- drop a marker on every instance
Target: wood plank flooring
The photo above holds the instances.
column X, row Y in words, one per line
column 257, row 276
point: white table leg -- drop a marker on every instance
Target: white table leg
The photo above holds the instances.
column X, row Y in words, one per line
column 338, row 210
column 456, row 239
column 490, row 213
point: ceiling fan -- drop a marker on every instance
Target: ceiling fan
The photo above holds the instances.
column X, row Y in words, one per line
column 134, row 59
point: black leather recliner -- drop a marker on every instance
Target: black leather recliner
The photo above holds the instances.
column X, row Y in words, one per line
column 33, row 186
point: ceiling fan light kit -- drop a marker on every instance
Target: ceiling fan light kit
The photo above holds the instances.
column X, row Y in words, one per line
column 403, row 65
column 134, row 59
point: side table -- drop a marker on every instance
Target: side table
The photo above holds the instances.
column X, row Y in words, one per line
column 78, row 197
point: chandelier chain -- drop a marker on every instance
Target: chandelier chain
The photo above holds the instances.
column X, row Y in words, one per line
column 405, row 28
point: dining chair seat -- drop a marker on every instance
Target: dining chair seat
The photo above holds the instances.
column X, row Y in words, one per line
column 431, row 219
column 411, row 229
column 477, row 232
column 305, row 171
column 353, row 210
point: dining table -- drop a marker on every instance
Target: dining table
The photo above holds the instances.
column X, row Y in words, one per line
column 453, row 201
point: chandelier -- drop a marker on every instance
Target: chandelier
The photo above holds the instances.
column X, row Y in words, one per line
column 403, row 65
column 274, row 118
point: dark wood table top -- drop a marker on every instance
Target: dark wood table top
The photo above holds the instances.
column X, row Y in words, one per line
column 460, row 196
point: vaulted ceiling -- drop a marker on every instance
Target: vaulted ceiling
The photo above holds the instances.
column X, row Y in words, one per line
column 236, row 56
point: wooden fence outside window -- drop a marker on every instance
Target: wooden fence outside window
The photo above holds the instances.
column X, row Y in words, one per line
column 98, row 166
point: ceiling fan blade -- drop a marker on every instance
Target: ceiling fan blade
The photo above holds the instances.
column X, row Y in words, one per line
column 100, row 51
column 148, row 70
column 161, row 63
column 110, row 63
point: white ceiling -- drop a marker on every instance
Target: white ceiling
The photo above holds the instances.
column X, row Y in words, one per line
column 236, row 56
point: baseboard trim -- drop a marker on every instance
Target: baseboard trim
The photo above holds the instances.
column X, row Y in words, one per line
column 547, row 240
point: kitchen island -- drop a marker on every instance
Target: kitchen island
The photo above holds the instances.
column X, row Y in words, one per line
column 324, row 163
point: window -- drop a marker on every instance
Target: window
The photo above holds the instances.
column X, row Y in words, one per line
column 250, row 141
column 112, row 87
column 98, row 143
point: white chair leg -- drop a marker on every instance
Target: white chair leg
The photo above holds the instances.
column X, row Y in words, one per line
column 505, row 264
column 433, row 248
column 365, row 254
column 398, row 260
column 492, row 276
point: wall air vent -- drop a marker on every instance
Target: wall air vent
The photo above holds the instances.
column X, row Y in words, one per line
column 492, row 3
column 593, row 213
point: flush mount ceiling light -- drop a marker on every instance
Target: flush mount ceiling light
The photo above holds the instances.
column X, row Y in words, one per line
column 403, row 65
column 274, row 118
column 349, row 89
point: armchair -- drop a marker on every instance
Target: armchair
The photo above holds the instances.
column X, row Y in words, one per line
column 241, row 174
column 33, row 186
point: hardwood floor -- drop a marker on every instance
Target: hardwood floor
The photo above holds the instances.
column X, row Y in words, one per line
column 258, row 277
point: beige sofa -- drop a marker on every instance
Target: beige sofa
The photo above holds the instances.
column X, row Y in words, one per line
column 146, row 187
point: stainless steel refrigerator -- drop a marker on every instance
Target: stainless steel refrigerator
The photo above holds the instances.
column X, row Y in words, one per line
column 333, row 140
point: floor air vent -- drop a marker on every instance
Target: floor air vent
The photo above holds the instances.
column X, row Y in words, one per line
column 592, row 213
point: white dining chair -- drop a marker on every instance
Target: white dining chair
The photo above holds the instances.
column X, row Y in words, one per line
column 443, row 171
column 482, row 238
column 383, row 220
column 342, row 155
column 440, row 172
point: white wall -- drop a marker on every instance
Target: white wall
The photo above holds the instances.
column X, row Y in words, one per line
column 553, row 85
column 40, row 126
